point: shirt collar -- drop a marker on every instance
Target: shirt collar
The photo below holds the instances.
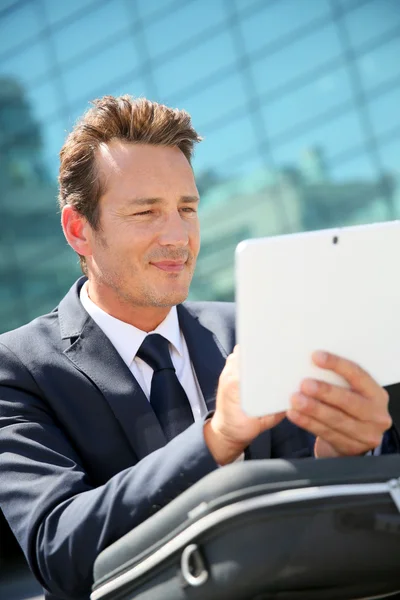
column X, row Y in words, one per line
column 126, row 338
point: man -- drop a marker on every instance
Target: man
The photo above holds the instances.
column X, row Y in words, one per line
column 123, row 397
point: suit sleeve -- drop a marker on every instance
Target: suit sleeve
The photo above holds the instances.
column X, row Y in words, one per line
column 62, row 522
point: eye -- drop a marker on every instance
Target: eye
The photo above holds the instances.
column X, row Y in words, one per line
column 143, row 213
column 188, row 209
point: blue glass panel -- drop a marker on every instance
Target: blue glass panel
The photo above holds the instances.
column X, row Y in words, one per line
column 53, row 136
column 359, row 167
column 222, row 144
column 44, row 100
column 27, row 65
column 385, row 112
column 92, row 77
column 94, row 28
column 182, row 25
column 280, row 18
column 133, row 86
column 350, row 4
column 297, row 59
column 333, row 137
column 151, row 10
column 371, row 20
column 216, row 101
column 303, row 104
column 381, row 64
column 58, row 11
column 245, row 165
column 245, row 6
column 390, row 152
column 19, row 25
column 6, row 5
column 174, row 77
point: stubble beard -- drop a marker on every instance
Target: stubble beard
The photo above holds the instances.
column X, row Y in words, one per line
column 146, row 296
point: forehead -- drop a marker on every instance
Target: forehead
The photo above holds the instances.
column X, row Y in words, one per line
column 123, row 163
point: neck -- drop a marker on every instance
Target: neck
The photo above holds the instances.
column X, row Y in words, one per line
column 145, row 318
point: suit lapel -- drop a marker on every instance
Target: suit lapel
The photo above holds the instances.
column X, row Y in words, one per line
column 93, row 354
column 206, row 352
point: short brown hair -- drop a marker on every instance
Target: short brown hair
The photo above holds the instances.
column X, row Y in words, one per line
column 130, row 119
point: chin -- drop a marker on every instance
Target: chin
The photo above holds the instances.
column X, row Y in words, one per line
column 172, row 298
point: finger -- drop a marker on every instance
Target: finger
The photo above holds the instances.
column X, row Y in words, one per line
column 310, row 410
column 348, row 401
column 339, row 441
column 272, row 420
column 359, row 380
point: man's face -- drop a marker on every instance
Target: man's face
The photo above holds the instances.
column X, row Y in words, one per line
column 146, row 248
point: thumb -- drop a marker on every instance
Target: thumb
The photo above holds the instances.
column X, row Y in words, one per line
column 269, row 421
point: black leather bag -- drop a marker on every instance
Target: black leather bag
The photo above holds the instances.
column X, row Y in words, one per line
column 303, row 529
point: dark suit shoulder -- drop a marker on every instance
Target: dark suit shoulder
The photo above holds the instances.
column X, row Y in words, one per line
column 218, row 317
column 33, row 339
column 220, row 310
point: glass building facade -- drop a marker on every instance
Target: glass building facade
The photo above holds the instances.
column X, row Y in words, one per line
column 298, row 102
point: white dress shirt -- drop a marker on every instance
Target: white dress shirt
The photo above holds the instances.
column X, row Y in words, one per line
column 127, row 340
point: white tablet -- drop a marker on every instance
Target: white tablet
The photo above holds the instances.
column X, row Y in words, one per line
column 336, row 290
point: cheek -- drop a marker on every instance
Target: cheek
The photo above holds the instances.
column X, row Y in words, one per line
column 195, row 239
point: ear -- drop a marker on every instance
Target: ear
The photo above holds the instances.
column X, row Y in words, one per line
column 76, row 230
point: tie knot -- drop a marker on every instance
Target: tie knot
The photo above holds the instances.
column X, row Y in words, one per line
column 155, row 352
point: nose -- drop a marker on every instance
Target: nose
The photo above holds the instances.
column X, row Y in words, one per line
column 174, row 231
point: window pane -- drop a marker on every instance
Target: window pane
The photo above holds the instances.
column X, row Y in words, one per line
column 279, row 19
column 57, row 11
column 369, row 199
column 174, row 77
column 381, row 64
column 84, row 80
column 360, row 167
column 154, row 8
column 53, row 136
column 182, row 25
column 244, row 6
column 303, row 104
column 347, row 194
column 17, row 125
column 372, row 20
column 134, row 86
column 28, row 65
column 297, row 59
column 226, row 142
column 390, row 153
column 17, row 26
column 334, row 138
column 216, row 101
column 44, row 101
column 385, row 113
column 94, row 28
column 6, row 5
column 390, row 156
column 350, row 4
column 250, row 162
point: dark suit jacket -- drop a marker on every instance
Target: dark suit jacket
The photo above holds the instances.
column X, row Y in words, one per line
column 82, row 457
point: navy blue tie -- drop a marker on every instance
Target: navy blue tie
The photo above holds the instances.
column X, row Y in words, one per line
column 167, row 396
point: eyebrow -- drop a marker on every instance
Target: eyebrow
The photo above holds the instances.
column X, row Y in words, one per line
column 151, row 201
